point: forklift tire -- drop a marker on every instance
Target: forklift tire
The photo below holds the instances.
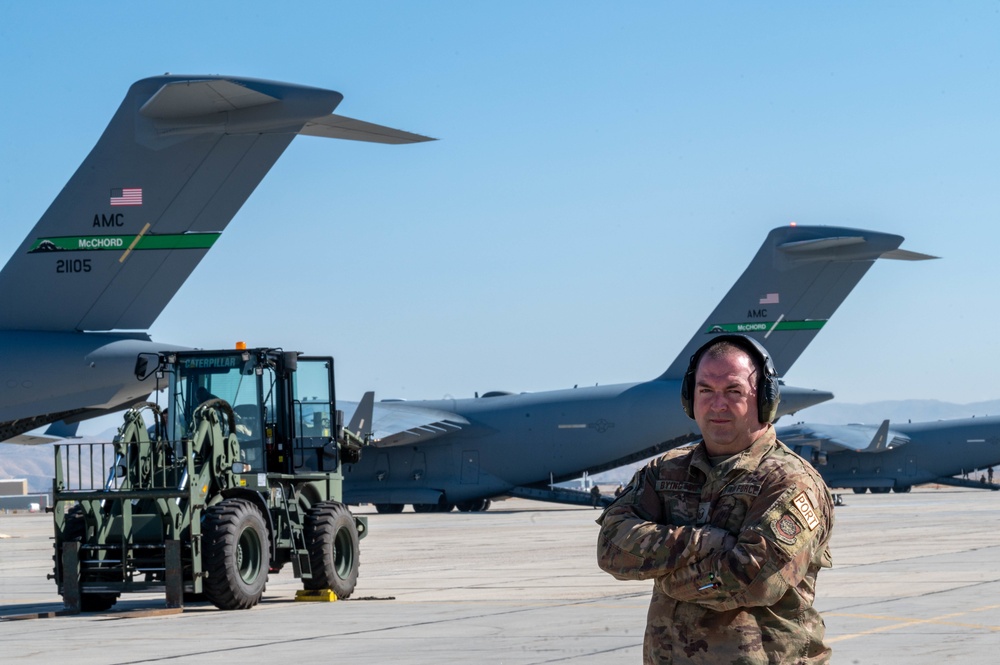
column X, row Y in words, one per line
column 76, row 529
column 334, row 553
column 97, row 602
column 236, row 554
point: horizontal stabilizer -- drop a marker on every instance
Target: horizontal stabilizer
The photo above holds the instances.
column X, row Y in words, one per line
column 795, row 399
column 338, row 127
column 906, row 255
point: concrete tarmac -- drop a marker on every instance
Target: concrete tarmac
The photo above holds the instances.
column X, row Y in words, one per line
column 916, row 579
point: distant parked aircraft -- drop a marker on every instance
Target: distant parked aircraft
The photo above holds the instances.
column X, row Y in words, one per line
column 896, row 457
column 464, row 452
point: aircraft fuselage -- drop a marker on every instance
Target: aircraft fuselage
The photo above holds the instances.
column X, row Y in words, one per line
column 48, row 376
column 531, row 439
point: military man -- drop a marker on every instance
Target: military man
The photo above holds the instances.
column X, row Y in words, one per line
column 732, row 529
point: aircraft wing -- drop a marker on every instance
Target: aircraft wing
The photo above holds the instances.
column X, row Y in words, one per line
column 177, row 161
column 31, row 439
column 399, row 424
column 834, row 438
column 58, row 431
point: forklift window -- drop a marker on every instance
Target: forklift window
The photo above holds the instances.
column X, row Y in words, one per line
column 313, row 400
column 216, row 378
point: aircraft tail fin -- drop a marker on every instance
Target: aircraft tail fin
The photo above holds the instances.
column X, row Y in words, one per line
column 177, row 161
column 795, row 283
column 880, row 440
column 361, row 421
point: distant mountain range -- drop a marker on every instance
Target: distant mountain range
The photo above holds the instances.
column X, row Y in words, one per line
column 36, row 463
column 873, row 413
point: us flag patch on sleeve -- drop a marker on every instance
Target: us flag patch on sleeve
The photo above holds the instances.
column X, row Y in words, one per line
column 803, row 505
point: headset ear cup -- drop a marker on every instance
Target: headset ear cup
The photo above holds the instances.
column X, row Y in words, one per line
column 687, row 393
column 769, row 396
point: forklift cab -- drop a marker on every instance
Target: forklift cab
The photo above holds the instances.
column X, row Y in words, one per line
column 283, row 405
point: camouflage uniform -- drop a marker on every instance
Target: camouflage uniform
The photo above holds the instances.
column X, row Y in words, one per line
column 733, row 551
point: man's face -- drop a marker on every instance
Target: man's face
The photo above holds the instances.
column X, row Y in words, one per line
column 725, row 402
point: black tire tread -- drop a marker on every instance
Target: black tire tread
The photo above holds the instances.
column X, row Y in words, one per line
column 221, row 529
column 323, row 522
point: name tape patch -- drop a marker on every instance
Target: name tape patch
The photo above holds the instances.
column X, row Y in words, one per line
column 677, row 486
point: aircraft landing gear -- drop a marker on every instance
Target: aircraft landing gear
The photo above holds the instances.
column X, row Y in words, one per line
column 474, row 506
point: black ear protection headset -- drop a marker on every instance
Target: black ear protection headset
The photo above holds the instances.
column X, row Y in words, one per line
column 768, row 393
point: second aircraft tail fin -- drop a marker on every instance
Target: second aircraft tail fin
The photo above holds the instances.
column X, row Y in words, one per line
column 795, row 283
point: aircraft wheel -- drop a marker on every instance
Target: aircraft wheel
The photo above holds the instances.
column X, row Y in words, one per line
column 389, row 508
column 473, row 506
column 881, row 490
column 440, row 507
column 860, row 490
column 902, row 489
column 334, row 552
column 237, row 554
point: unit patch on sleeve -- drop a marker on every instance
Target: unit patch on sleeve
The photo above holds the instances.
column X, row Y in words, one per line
column 803, row 505
column 786, row 529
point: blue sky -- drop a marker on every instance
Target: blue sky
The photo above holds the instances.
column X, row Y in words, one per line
column 605, row 172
